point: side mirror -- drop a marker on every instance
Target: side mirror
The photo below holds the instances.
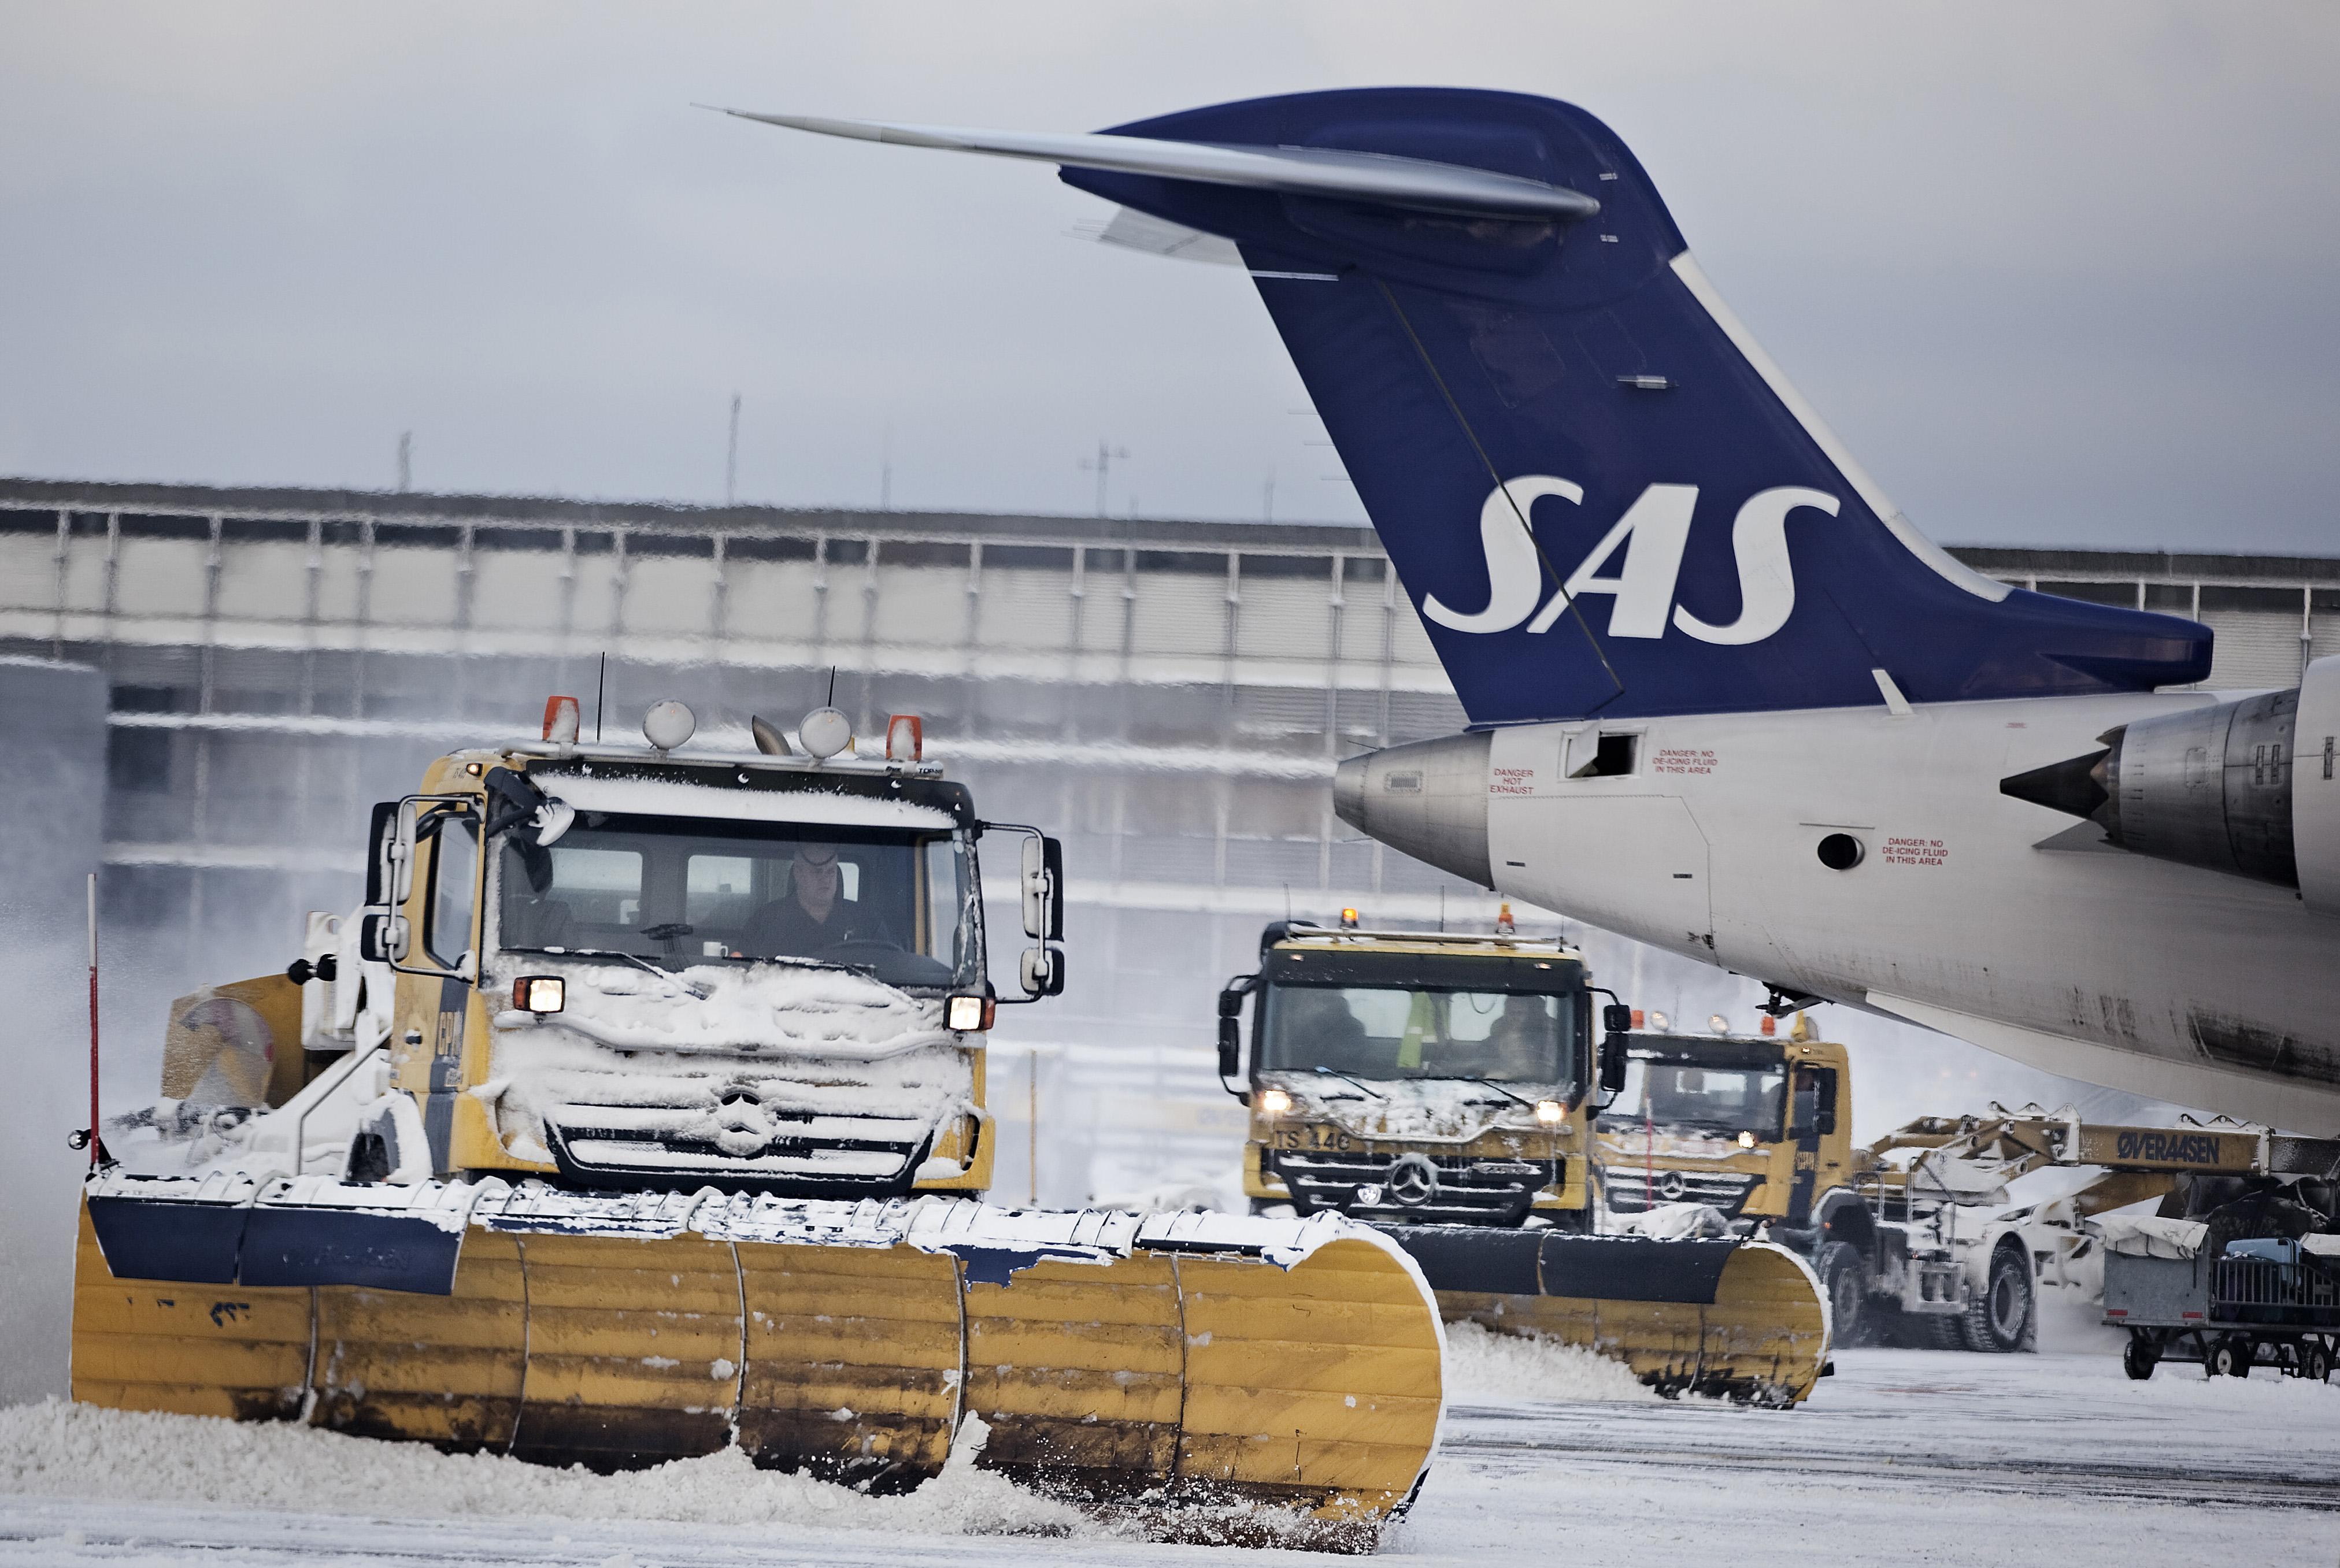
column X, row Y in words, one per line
column 1613, row 1062
column 1231, row 1001
column 1044, row 889
column 380, row 869
column 1042, row 972
column 1617, row 1018
column 383, row 938
column 393, row 877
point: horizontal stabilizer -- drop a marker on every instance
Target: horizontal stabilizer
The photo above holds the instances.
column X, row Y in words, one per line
column 1374, row 178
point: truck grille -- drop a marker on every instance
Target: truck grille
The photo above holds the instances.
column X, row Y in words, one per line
column 801, row 1155
column 1464, row 1190
column 1629, row 1189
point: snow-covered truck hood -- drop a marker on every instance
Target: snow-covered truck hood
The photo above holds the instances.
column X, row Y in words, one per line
column 765, row 1009
column 1427, row 1110
column 730, row 1070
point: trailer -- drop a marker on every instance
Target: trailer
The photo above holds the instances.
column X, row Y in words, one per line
column 2260, row 1302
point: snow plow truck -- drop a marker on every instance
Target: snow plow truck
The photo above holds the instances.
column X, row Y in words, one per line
column 1444, row 1087
column 1915, row 1236
column 639, row 1111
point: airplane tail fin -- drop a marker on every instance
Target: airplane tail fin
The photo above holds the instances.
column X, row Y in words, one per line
column 1599, row 492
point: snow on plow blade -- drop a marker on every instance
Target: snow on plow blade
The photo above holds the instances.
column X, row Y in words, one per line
column 1195, row 1355
column 1741, row 1319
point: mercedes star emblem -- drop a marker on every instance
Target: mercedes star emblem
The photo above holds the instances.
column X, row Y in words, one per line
column 1413, row 1180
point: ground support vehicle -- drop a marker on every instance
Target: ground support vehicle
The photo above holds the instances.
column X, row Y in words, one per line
column 2268, row 1302
column 1759, row 1128
column 640, row 1111
column 1914, row 1236
column 1442, row 1086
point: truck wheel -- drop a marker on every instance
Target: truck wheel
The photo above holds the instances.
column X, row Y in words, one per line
column 1996, row 1319
column 2139, row 1357
column 1844, row 1280
column 2314, row 1361
column 2230, row 1357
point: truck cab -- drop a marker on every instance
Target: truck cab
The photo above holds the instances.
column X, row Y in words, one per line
column 639, row 969
column 1756, row 1126
column 1415, row 1079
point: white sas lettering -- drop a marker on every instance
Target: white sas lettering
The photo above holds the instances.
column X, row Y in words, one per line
column 1515, row 575
column 1767, row 589
column 1653, row 532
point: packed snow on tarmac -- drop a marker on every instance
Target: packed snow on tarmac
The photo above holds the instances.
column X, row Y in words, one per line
column 1905, row 1456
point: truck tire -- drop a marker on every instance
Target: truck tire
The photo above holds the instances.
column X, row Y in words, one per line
column 1941, row 1330
column 2231, row 1356
column 2314, row 1361
column 1844, row 1282
column 2139, row 1356
column 1998, row 1320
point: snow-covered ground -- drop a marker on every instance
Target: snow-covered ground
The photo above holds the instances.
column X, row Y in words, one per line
column 1904, row 1456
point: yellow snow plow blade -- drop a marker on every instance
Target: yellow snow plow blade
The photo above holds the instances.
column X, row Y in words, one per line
column 1187, row 1355
column 1742, row 1320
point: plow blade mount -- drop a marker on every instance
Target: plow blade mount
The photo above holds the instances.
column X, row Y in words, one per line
column 1744, row 1320
column 1194, row 1356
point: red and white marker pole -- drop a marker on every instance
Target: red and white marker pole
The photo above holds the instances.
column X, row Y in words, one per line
column 96, row 1149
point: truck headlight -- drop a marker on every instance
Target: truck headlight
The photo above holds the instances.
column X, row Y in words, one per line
column 1551, row 1112
column 969, row 1014
column 1746, row 1140
column 540, row 993
column 1274, row 1102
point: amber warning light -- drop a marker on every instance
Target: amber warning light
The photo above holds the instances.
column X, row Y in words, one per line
column 561, row 719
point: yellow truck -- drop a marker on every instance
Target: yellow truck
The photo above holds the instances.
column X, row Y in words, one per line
column 1443, row 1087
column 640, row 1111
column 1914, row 1237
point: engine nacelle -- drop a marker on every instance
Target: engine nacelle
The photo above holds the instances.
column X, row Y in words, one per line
column 2246, row 788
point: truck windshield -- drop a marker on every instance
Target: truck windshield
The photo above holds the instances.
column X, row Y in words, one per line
column 1707, row 1090
column 678, row 891
column 1418, row 1031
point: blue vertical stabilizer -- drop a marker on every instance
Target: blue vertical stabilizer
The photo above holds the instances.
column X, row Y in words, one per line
column 1600, row 494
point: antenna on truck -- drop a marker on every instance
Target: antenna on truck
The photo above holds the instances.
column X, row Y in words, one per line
column 601, row 685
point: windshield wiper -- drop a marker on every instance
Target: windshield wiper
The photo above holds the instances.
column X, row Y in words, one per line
column 1491, row 1084
column 689, row 990
column 1327, row 1072
column 795, row 962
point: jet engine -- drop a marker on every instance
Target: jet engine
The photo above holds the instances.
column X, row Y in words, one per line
column 2246, row 788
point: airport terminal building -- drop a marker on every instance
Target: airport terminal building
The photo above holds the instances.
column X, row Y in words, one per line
column 1169, row 696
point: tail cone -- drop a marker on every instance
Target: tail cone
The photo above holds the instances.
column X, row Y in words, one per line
column 2075, row 786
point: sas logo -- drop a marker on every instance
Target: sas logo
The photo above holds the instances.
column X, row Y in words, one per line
column 1651, row 533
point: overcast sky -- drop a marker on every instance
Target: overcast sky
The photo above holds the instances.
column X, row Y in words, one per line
column 2058, row 274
